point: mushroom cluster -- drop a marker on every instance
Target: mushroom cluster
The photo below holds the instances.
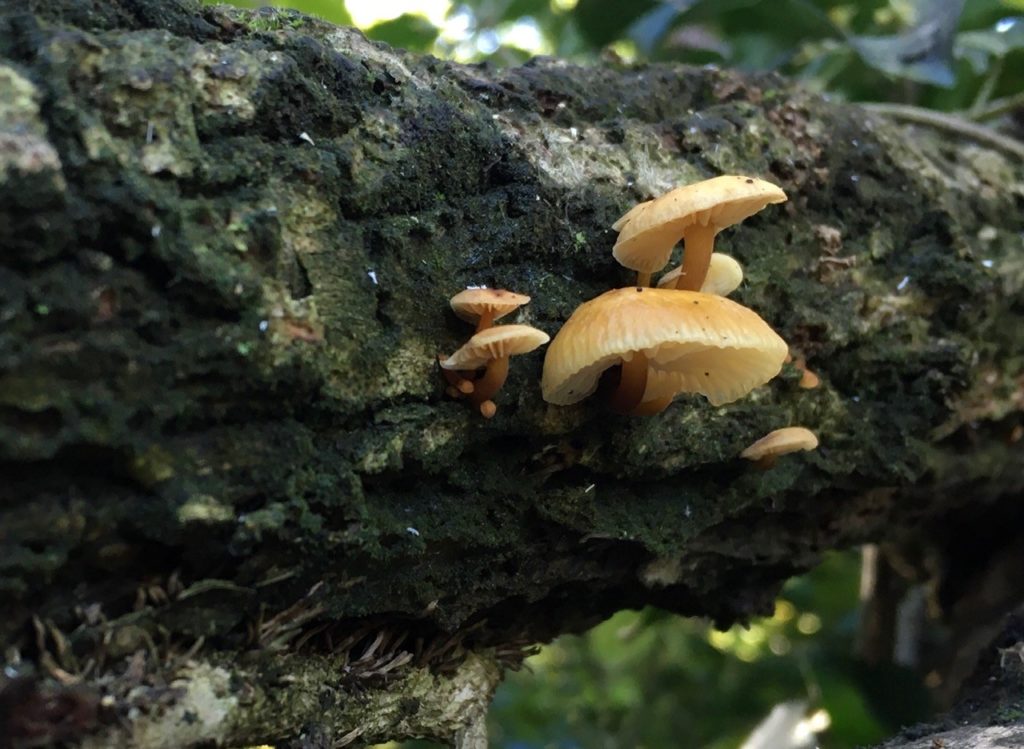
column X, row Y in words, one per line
column 642, row 346
column 479, row 368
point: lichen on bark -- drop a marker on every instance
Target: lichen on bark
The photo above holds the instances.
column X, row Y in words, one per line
column 229, row 238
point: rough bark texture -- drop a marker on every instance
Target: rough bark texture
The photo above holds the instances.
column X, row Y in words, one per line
column 235, row 500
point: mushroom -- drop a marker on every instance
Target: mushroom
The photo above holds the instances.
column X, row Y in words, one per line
column 492, row 348
column 694, row 213
column 658, row 343
column 808, row 379
column 724, row 276
column 480, row 306
column 458, row 386
column 787, row 440
column 483, row 306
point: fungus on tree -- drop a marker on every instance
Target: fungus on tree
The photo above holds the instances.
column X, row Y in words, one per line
column 694, row 213
column 492, row 348
column 808, row 379
column 724, row 276
column 656, row 343
column 483, row 306
column 787, row 440
column 458, row 386
column 478, row 306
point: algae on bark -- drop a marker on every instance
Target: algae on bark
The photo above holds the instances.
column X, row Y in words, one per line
column 228, row 241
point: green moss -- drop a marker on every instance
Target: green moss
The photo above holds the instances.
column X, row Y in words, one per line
column 153, row 466
column 273, row 19
column 237, row 361
column 20, row 101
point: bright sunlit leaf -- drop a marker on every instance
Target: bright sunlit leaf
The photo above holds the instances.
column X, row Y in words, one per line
column 408, row 31
column 366, row 13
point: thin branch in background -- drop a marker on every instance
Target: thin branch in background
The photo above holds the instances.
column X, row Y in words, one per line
column 987, row 87
column 950, row 123
column 995, row 109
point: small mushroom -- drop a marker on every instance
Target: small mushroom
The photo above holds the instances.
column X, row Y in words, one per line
column 483, row 306
column 808, row 379
column 458, row 386
column 694, row 213
column 648, row 345
column 787, row 440
column 724, row 276
column 492, row 348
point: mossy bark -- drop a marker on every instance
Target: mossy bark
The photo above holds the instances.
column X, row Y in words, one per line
column 228, row 240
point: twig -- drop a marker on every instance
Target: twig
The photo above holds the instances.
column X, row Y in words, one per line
column 999, row 107
column 949, row 123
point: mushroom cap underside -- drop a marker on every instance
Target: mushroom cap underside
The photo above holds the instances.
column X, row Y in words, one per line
column 694, row 343
column 471, row 304
column 649, row 231
column 496, row 343
column 626, row 217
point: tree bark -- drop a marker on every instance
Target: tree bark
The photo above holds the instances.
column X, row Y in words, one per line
column 236, row 505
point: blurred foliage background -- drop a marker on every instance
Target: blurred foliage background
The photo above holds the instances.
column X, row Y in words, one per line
column 648, row 679
column 965, row 55
column 651, row 679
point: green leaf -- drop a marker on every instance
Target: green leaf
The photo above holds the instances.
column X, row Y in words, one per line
column 979, row 47
column 408, row 31
column 519, row 8
column 923, row 53
column 601, row 22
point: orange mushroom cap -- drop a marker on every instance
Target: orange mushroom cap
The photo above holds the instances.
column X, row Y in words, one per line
column 496, row 343
column 470, row 305
column 693, row 342
column 649, row 231
column 724, row 276
column 780, row 442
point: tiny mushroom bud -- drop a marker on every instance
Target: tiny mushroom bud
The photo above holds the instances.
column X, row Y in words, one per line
column 808, row 380
column 483, row 306
column 780, row 442
column 694, row 213
column 458, row 386
column 724, row 276
column 492, row 348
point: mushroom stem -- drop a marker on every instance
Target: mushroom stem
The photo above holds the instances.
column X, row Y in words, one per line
column 486, row 320
column 699, row 244
column 632, row 382
column 643, row 279
column 651, row 407
column 487, row 386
